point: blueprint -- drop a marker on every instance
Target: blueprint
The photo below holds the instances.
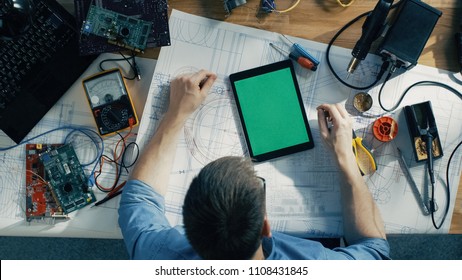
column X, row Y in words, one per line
column 71, row 110
column 303, row 195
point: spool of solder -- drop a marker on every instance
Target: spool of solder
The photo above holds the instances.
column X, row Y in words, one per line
column 385, row 129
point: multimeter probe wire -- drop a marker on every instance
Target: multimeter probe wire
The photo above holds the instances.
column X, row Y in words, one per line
column 118, row 159
column 97, row 140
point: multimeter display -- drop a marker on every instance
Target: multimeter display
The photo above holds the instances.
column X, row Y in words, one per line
column 110, row 101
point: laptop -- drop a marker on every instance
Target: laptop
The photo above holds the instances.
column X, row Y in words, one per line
column 38, row 67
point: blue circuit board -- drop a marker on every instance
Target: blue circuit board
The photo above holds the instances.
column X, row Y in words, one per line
column 121, row 30
column 153, row 11
column 66, row 178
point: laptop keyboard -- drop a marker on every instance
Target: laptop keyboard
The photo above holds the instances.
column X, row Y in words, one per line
column 32, row 50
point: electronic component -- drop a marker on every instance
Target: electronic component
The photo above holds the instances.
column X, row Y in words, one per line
column 110, row 101
column 231, row 4
column 409, row 32
column 40, row 202
column 153, row 11
column 267, row 6
column 119, row 29
column 66, row 178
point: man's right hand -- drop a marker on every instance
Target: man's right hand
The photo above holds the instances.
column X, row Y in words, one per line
column 361, row 217
column 339, row 136
column 155, row 163
column 188, row 91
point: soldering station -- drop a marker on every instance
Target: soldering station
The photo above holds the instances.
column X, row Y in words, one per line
column 401, row 32
column 405, row 37
column 398, row 33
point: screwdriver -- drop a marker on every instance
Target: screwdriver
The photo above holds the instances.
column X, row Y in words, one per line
column 302, row 51
column 303, row 61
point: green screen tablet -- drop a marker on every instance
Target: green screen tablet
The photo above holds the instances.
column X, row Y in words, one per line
column 271, row 111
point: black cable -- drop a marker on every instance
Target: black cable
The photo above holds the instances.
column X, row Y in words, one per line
column 329, row 45
column 121, row 165
column 387, row 78
column 111, row 160
column 448, row 194
column 133, row 65
column 134, row 160
column 421, row 83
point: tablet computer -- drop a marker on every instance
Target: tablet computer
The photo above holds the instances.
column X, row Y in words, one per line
column 271, row 111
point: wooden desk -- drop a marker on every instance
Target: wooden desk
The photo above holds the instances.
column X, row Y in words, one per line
column 319, row 20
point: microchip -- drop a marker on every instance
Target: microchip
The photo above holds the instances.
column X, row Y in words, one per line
column 69, row 207
column 80, row 201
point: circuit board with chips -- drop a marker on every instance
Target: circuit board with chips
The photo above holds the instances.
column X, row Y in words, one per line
column 153, row 11
column 67, row 178
column 40, row 203
column 119, row 29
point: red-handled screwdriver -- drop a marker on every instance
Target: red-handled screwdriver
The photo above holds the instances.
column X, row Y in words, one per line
column 303, row 61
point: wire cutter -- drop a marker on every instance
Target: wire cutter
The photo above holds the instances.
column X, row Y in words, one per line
column 364, row 158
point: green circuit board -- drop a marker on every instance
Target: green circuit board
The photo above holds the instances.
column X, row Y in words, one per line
column 121, row 30
column 67, row 178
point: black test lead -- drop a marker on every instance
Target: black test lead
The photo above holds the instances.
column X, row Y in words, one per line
column 303, row 61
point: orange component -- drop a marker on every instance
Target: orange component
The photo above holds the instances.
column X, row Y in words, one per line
column 385, row 129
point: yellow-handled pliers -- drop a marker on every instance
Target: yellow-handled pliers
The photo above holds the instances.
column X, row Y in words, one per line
column 364, row 158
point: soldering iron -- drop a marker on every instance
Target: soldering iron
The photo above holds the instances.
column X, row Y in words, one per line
column 370, row 32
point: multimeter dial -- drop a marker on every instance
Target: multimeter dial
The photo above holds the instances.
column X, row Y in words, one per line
column 114, row 117
column 105, row 90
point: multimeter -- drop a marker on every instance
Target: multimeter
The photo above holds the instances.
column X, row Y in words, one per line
column 110, row 101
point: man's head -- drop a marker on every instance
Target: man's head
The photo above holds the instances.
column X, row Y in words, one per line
column 224, row 210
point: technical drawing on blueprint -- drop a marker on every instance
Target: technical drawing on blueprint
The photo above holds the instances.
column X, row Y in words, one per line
column 302, row 189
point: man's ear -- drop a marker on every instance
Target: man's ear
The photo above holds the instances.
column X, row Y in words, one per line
column 266, row 230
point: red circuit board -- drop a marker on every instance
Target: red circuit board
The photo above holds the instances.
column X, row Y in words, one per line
column 40, row 202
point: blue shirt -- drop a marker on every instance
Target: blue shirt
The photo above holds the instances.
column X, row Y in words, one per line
column 148, row 234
